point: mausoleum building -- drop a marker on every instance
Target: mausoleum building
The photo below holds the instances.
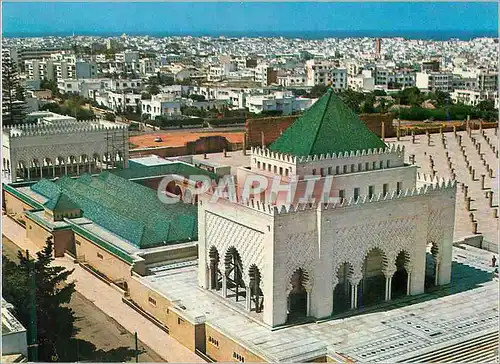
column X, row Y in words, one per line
column 385, row 231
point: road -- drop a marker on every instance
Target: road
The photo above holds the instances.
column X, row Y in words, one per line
column 100, row 338
column 109, row 300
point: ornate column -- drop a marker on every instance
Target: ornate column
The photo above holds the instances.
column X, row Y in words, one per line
column 210, row 277
column 436, row 278
column 408, row 268
column 224, row 285
column 388, row 273
column 354, row 280
column 248, row 298
column 308, row 312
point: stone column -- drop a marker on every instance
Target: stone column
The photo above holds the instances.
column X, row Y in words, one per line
column 383, row 130
column 436, row 280
column 474, row 227
column 66, row 168
column 262, row 139
column 308, row 302
column 467, row 204
column 495, row 213
column 354, row 296
column 454, row 130
column 41, row 170
column 413, row 136
column 398, row 130
column 491, row 198
column 53, row 170
column 248, row 298
column 388, row 288
column 482, row 181
column 224, row 285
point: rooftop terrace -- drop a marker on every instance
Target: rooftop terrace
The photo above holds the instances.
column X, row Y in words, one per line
column 394, row 331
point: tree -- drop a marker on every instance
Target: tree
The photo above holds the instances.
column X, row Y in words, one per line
column 318, row 91
column 352, row 99
column 13, row 108
column 198, row 98
column 54, row 320
column 50, row 85
column 109, row 116
column 486, row 105
column 153, row 88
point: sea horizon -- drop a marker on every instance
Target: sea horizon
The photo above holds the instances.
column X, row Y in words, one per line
column 308, row 35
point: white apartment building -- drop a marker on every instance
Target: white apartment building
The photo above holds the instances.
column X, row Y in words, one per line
column 434, row 81
column 50, row 69
column 325, row 73
column 148, row 66
column 127, row 57
column 120, row 101
column 403, row 78
column 160, row 105
column 474, row 97
column 293, row 79
column 464, row 83
column 362, row 82
column 279, row 101
column 487, row 80
column 353, row 68
column 220, row 71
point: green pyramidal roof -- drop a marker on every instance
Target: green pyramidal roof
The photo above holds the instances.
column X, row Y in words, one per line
column 329, row 126
column 61, row 202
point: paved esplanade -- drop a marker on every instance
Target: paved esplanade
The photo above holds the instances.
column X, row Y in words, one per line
column 470, row 158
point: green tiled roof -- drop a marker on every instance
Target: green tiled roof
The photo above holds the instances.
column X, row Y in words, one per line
column 125, row 208
column 61, row 203
column 178, row 168
column 329, row 126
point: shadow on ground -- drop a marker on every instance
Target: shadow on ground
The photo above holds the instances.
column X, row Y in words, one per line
column 82, row 350
column 463, row 278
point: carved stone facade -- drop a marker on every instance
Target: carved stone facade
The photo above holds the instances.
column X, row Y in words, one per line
column 391, row 238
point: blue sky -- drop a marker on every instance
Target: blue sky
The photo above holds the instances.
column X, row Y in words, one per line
column 224, row 17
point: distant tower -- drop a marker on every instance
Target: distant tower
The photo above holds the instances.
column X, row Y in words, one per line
column 378, row 47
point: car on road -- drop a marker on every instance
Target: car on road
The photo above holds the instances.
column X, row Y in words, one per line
column 158, row 139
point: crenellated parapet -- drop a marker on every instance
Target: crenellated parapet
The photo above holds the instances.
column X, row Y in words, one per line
column 266, row 153
column 438, row 186
column 71, row 127
column 393, row 149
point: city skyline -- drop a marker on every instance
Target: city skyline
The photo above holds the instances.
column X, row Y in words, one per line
column 309, row 20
